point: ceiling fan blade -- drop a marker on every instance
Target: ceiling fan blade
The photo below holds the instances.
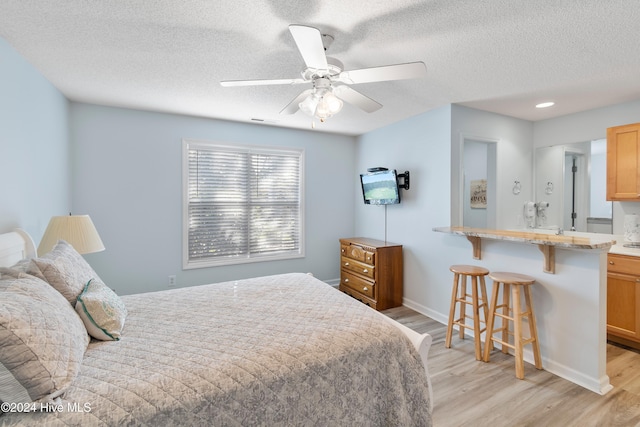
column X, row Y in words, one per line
column 309, row 42
column 354, row 97
column 292, row 107
column 411, row 70
column 230, row 83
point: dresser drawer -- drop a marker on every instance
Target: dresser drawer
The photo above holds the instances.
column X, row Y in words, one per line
column 623, row 264
column 356, row 283
column 357, row 267
column 357, row 253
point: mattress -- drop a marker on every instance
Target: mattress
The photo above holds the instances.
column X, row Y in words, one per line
column 279, row 350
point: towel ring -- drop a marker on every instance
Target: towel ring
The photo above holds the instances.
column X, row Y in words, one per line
column 516, row 187
column 549, row 188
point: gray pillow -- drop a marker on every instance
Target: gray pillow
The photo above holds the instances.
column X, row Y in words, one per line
column 64, row 269
column 42, row 341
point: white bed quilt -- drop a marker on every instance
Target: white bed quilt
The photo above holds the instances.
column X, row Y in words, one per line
column 285, row 350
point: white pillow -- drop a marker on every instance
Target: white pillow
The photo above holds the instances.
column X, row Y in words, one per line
column 64, row 269
column 101, row 310
column 42, row 340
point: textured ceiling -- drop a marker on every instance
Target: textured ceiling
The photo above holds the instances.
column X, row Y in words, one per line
column 169, row 55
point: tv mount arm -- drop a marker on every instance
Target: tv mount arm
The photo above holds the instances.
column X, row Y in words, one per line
column 405, row 180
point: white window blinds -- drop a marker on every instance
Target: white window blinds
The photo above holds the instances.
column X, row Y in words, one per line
column 242, row 204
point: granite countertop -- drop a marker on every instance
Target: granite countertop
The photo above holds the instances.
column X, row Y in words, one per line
column 620, row 249
column 569, row 240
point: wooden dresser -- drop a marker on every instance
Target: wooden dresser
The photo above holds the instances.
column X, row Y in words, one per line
column 371, row 271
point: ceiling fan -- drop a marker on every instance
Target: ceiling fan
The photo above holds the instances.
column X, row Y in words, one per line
column 330, row 81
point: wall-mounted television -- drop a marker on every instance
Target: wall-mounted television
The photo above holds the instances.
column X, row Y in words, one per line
column 380, row 187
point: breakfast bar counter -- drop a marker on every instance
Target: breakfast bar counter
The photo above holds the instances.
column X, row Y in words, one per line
column 547, row 242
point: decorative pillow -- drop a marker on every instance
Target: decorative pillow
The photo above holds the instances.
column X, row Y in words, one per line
column 65, row 270
column 101, row 311
column 42, row 341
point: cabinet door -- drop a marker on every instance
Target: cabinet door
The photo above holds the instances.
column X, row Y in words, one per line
column 623, row 296
column 623, row 162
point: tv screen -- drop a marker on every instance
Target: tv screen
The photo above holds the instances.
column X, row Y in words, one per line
column 380, row 188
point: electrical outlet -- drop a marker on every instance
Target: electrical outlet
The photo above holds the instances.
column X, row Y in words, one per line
column 172, row 281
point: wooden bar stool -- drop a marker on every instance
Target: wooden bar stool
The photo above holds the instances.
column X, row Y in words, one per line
column 460, row 296
column 513, row 282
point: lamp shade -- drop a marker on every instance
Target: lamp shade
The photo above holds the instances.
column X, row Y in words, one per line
column 77, row 230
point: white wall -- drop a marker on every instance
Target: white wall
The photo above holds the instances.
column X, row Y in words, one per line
column 588, row 126
column 584, row 126
column 34, row 147
column 514, row 160
column 421, row 146
column 550, row 168
column 127, row 170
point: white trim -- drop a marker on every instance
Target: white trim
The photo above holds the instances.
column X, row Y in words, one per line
column 188, row 143
column 233, row 261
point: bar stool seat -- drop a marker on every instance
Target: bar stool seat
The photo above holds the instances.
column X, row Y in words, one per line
column 512, row 311
column 477, row 299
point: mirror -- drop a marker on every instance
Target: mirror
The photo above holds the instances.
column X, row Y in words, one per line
column 571, row 179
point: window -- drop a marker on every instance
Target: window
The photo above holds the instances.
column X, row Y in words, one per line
column 241, row 204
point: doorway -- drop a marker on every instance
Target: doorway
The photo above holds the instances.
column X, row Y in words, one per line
column 576, row 191
column 479, row 171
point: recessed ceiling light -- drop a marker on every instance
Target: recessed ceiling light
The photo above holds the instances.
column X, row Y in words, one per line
column 545, row 104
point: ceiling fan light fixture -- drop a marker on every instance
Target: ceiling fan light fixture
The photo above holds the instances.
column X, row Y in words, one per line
column 309, row 104
column 322, row 114
column 322, row 104
column 333, row 103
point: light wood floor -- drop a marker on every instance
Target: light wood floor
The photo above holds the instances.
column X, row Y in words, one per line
column 473, row 393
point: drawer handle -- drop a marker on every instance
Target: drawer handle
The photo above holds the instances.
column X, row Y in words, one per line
column 611, row 262
column 365, row 271
column 346, row 264
column 365, row 289
column 346, row 280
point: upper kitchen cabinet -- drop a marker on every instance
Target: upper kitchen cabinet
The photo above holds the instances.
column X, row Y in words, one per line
column 623, row 163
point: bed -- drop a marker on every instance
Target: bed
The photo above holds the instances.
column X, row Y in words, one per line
column 277, row 350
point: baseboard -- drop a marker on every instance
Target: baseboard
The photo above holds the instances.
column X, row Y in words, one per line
column 597, row 385
column 439, row 317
